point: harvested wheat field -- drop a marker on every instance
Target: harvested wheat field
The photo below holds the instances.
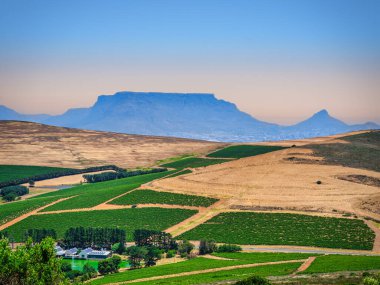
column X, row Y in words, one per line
column 284, row 180
column 26, row 143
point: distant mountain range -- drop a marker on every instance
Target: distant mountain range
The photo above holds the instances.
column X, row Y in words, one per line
column 197, row 116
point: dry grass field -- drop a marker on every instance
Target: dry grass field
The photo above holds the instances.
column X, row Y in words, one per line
column 26, row 143
column 283, row 180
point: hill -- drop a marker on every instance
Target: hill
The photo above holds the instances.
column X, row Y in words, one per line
column 197, row 116
column 26, row 143
column 286, row 180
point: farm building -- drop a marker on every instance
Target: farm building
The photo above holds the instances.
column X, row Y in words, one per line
column 89, row 253
column 59, row 251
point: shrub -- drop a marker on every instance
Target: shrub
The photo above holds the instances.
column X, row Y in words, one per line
column 170, row 253
column 319, row 182
column 228, row 248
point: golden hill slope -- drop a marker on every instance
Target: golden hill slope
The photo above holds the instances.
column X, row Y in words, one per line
column 29, row 143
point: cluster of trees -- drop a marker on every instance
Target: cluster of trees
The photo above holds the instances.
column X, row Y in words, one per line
column 105, row 176
column 11, row 193
column 30, row 264
column 149, row 247
column 109, row 265
column 58, row 173
column 93, row 237
column 152, row 238
column 37, row 235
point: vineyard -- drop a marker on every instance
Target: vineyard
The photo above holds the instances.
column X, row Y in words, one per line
column 193, row 162
column 285, row 229
column 128, row 219
column 240, row 151
column 154, row 197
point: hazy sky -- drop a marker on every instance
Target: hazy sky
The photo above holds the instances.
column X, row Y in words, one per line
column 278, row 60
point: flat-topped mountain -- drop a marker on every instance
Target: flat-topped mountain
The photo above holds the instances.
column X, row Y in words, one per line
column 189, row 115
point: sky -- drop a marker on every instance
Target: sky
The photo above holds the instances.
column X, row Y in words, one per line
column 278, row 60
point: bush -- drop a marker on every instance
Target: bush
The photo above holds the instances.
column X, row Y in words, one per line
column 170, row 253
column 228, row 248
column 319, row 182
column 254, row 280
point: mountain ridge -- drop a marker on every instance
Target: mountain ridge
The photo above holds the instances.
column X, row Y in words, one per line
column 187, row 115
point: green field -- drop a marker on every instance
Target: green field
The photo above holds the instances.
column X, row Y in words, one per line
column 335, row 263
column 284, row 229
column 129, row 219
column 10, row 211
column 185, row 171
column 90, row 195
column 230, row 275
column 155, row 197
column 240, row 151
column 199, row 263
column 193, row 162
column 11, row 172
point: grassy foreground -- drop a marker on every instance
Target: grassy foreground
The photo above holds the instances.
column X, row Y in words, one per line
column 285, row 229
column 155, row 197
column 129, row 219
column 198, row 263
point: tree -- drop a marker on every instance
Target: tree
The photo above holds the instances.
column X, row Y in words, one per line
column 185, row 247
column 31, row 183
column 121, row 248
column 152, row 256
column 31, row 264
column 136, row 255
column 207, row 247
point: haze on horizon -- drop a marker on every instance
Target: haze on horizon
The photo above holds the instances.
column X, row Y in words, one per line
column 280, row 61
